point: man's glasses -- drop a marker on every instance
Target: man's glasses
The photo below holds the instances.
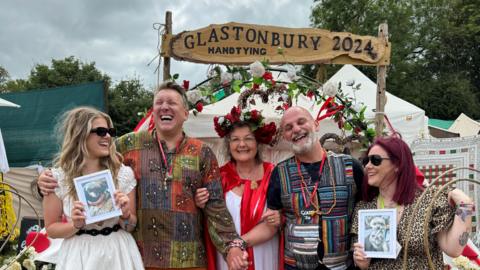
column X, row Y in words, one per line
column 376, row 160
column 102, row 132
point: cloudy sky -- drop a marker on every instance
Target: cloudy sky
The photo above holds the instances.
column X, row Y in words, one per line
column 118, row 35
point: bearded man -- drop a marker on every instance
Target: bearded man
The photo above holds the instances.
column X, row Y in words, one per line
column 316, row 192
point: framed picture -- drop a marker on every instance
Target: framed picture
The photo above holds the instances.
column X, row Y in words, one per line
column 95, row 191
column 377, row 232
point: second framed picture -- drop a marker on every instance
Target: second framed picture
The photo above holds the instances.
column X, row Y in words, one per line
column 377, row 232
column 95, row 191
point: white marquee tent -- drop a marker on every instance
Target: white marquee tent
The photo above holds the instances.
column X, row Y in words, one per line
column 405, row 117
column 465, row 126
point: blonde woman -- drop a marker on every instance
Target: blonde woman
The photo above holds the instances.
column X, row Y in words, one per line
column 87, row 148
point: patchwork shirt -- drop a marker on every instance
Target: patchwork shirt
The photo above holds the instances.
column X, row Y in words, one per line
column 170, row 227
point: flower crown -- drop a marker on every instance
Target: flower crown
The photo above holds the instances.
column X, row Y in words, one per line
column 264, row 133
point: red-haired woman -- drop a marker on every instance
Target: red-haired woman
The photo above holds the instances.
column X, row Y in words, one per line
column 389, row 182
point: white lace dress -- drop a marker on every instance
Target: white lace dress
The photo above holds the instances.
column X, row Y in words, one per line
column 117, row 250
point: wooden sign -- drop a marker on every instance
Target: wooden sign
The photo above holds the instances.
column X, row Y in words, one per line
column 237, row 43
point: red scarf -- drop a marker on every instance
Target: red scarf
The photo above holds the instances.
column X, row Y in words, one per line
column 252, row 206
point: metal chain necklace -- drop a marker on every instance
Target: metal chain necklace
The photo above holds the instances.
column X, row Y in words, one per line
column 168, row 172
column 314, row 192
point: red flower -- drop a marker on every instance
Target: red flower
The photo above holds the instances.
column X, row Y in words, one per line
column 235, row 114
column 267, row 76
column 254, row 115
column 310, row 94
column 218, row 128
column 186, row 85
column 255, row 86
column 265, row 134
column 199, row 106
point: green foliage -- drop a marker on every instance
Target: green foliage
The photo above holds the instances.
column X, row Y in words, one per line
column 435, row 61
column 68, row 71
column 4, row 76
column 128, row 102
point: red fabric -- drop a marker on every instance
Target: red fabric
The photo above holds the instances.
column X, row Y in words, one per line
column 470, row 253
column 331, row 108
column 142, row 125
column 419, row 176
column 40, row 244
column 253, row 204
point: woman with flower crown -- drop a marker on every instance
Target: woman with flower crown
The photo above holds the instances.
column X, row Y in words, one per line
column 245, row 181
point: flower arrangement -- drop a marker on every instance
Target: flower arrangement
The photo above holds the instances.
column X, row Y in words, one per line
column 24, row 259
column 463, row 263
column 258, row 83
column 264, row 133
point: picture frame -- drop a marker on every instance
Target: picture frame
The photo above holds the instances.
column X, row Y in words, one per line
column 377, row 232
column 96, row 191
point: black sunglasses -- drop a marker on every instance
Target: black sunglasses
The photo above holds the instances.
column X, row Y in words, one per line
column 102, row 132
column 376, row 160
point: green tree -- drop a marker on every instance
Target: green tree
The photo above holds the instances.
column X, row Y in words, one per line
column 435, row 48
column 4, row 76
column 68, row 71
column 128, row 102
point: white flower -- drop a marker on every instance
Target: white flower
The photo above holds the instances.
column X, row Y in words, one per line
column 292, row 73
column 221, row 119
column 257, row 69
column 212, row 73
column 15, row 266
column 31, row 253
column 350, row 82
column 329, row 89
column 463, row 262
column 226, row 77
column 237, row 76
column 357, row 106
column 194, row 96
column 29, row 264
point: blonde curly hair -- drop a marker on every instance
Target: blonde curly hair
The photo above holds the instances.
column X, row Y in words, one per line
column 74, row 128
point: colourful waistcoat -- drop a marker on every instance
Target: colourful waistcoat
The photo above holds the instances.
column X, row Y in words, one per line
column 302, row 228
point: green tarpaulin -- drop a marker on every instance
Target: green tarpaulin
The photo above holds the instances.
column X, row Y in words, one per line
column 443, row 124
column 29, row 131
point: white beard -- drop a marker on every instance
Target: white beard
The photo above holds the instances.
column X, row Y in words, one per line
column 308, row 145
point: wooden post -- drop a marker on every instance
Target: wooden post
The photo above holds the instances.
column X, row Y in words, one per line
column 381, row 85
column 166, row 60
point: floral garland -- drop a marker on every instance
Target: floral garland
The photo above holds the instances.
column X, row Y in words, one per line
column 264, row 133
column 257, row 81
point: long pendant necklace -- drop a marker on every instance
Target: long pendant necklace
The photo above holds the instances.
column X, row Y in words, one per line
column 168, row 172
column 304, row 187
column 253, row 182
